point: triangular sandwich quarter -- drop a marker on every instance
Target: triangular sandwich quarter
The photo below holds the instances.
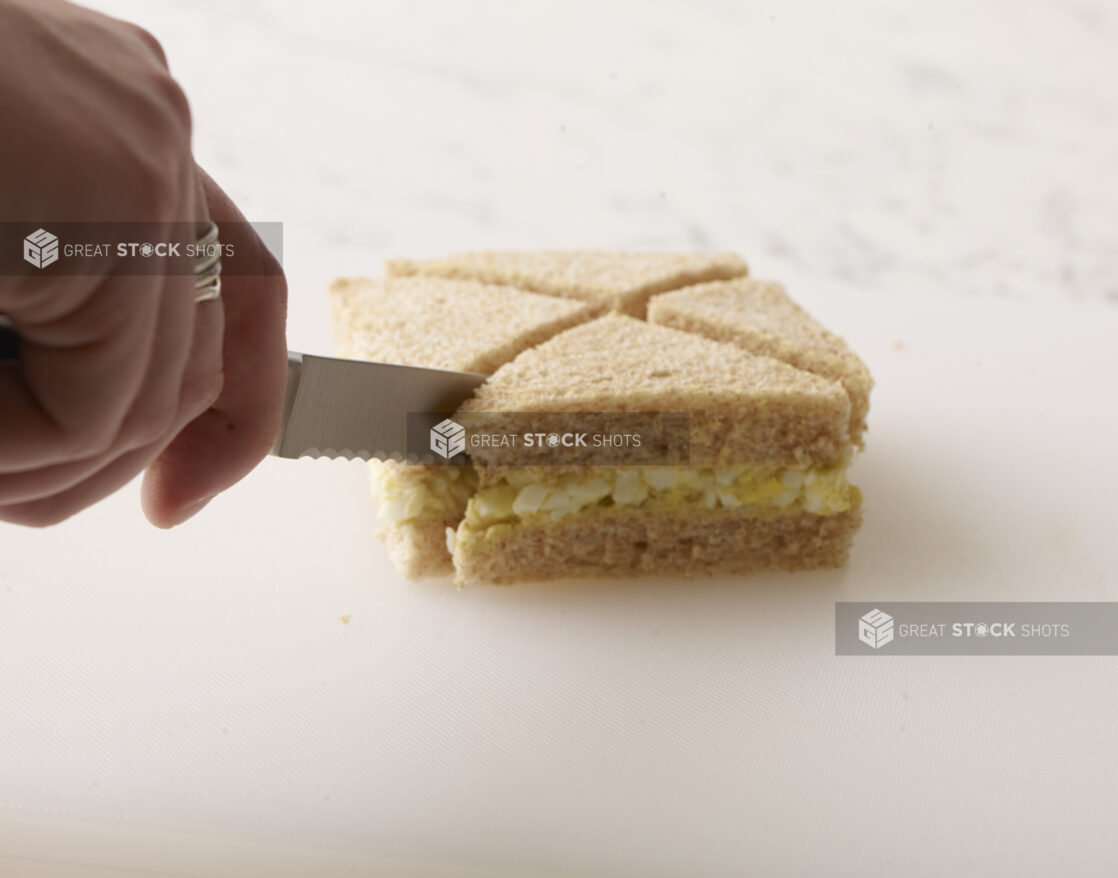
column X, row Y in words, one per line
column 760, row 317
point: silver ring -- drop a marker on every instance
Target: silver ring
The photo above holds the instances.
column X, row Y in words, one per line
column 207, row 266
column 209, row 293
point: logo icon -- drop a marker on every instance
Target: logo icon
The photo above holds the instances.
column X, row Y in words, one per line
column 40, row 248
column 448, row 439
column 875, row 629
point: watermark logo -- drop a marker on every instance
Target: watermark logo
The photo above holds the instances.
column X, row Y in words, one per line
column 448, row 439
column 152, row 249
column 40, row 248
column 976, row 628
column 875, row 629
column 549, row 438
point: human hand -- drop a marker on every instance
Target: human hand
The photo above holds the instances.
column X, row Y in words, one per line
column 115, row 370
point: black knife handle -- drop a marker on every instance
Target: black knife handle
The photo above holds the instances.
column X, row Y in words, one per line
column 9, row 341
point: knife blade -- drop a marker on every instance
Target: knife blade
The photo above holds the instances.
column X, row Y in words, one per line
column 353, row 408
column 346, row 408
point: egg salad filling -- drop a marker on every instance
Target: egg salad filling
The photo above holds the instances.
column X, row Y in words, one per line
column 752, row 489
column 412, row 494
column 415, row 492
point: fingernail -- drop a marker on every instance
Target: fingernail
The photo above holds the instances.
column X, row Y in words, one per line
column 190, row 510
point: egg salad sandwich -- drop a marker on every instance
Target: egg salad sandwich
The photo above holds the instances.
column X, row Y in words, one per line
column 762, row 486
column 760, row 317
column 443, row 324
column 606, row 280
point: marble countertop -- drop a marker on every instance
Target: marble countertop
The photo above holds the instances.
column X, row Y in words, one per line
column 955, row 148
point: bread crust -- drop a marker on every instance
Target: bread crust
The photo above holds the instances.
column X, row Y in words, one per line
column 417, row 548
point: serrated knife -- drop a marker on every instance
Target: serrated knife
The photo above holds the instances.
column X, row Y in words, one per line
column 347, row 408
column 354, row 408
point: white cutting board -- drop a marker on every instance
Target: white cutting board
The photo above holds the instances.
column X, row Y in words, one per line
column 190, row 702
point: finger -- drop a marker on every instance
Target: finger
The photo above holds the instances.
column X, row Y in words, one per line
column 151, row 416
column 199, row 391
column 222, row 445
column 78, row 376
column 155, row 409
column 58, row 507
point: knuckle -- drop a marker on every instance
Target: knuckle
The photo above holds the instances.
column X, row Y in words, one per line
column 172, row 104
column 149, row 41
column 155, row 187
column 152, row 423
column 202, row 392
column 139, row 141
column 153, row 165
column 206, row 390
column 216, row 386
column 93, row 435
column 97, row 440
